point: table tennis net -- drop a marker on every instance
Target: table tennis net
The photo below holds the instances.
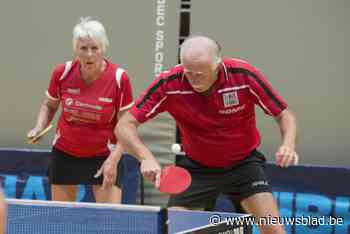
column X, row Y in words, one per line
column 47, row 217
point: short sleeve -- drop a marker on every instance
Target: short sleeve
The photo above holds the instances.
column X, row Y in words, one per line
column 151, row 102
column 263, row 94
column 53, row 90
column 126, row 99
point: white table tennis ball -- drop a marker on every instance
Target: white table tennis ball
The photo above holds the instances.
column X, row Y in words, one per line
column 176, row 148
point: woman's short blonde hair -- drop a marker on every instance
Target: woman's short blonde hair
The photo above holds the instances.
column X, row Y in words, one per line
column 90, row 28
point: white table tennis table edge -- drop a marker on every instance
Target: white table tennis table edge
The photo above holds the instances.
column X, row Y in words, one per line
column 28, row 202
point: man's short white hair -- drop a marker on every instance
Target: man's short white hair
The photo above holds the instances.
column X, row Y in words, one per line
column 90, row 28
column 207, row 44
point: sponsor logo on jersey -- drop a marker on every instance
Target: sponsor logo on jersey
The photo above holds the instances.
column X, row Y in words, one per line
column 73, row 91
column 68, row 101
column 230, row 99
column 87, row 105
column 232, row 110
column 103, row 99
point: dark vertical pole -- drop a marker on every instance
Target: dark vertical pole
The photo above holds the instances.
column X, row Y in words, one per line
column 185, row 24
column 164, row 221
column 142, row 190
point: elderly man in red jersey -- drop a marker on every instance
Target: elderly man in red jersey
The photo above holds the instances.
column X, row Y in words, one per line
column 212, row 100
column 93, row 93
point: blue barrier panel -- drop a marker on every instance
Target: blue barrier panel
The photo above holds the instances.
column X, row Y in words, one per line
column 312, row 199
column 23, row 175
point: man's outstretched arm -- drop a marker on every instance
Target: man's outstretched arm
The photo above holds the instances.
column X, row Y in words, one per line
column 126, row 132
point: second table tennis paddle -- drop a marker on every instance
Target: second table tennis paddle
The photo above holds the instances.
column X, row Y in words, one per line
column 35, row 139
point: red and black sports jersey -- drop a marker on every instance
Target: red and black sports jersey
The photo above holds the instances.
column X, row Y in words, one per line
column 218, row 129
column 89, row 111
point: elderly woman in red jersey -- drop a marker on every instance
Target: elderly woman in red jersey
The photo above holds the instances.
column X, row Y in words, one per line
column 213, row 101
column 93, row 93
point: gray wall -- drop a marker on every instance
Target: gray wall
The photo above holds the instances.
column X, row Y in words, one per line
column 302, row 46
column 299, row 45
column 37, row 35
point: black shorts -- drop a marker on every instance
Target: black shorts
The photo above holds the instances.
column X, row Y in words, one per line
column 65, row 169
column 238, row 182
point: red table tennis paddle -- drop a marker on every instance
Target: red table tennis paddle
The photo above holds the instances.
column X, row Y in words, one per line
column 174, row 180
